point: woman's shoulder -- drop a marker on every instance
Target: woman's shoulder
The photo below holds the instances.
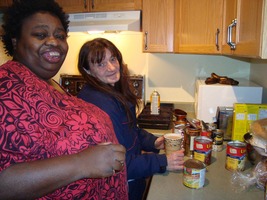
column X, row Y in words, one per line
column 12, row 65
column 98, row 98
column 89, row 93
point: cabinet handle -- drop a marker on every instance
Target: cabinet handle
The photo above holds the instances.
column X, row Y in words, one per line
column 217, row 39
column 93, row 4
column 229, row 35
column 84, row 4
column 146, row 47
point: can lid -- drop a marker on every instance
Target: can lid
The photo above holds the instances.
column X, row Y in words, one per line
column 237, row 143
column 194, row 164
column 203, row 139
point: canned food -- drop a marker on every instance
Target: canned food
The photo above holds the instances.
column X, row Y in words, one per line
column 217, row 136
column 206, row 133
column 236, row 156
column 180, row 130
column 194, row 174
column 203, row 149
column 190, row 135
column 180, row 115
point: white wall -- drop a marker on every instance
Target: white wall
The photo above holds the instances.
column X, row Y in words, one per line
column 129, row 43
column 259, row 75
column 173, row 75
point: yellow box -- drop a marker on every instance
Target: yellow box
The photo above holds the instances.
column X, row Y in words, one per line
column 244, row 114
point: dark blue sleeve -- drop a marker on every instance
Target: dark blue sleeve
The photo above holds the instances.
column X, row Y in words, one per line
column 147, row 140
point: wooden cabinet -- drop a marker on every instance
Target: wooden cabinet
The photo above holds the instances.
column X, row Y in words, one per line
column 5, row 3
column 76, row 6
column 158, row 25
column 198, row 26
column 115, row 5
column 245, row 28
column 182, row 26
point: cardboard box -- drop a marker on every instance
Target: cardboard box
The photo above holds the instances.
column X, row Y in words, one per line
column 244, row 115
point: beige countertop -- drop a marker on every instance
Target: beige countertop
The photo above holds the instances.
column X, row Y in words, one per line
column 218, row 186
column 169, row 186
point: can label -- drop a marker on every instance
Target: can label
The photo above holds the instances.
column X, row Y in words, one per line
column 203, row 149
column 194, row 174
column 217, row 136
column 189, row 139
column 236, row 156
column 206, row 133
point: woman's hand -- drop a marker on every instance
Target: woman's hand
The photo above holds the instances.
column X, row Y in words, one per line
column 102, row 160
column 159, row 143
column 175, row 160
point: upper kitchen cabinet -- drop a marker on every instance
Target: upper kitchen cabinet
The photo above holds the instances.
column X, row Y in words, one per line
column 5, row 3
column 198, row 26
column 115, row 5
column 158, row 25
column 245, row 28
column 76, row 6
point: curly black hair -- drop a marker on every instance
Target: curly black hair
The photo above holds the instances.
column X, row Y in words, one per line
column 20, row 9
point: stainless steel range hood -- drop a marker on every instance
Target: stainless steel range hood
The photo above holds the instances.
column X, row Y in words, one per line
column 105, row 21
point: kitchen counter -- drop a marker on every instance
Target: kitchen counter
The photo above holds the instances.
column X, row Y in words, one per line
column 217, row 186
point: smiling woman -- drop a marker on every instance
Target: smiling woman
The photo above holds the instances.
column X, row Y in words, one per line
column 41, row 47
column 53, row 145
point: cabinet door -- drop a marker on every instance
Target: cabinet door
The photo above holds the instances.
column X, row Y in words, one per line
column 115, row 5
column 158, row 25
column 229, row 14
column 5, row 3
column 74, row 6
column 198, row 26
column 248, row 30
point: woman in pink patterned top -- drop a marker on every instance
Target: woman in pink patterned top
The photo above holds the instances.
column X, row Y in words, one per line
column 52, row 145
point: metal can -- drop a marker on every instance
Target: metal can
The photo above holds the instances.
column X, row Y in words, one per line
column 180, row 130
column 235, row 156
column 205, row 133
column 203, row 149
column 189, row 138
column 155, row 103
column 217, row 136
column 194, row 174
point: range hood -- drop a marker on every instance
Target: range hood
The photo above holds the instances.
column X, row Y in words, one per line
column 105, row 21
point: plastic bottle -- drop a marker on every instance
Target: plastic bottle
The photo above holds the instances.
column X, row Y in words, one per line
column 155, row 103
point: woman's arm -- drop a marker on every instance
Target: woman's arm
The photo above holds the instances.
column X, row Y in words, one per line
column 34, row 179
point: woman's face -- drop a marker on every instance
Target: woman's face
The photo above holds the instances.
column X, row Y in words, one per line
column 42, row 46
column 108, row 71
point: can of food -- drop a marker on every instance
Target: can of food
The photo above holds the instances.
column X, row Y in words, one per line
column 189, row 138
column 217, row 136
column 205, row 133
column 236, row 156
column 203, row 149
column 194, row 174
column 180, row 130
